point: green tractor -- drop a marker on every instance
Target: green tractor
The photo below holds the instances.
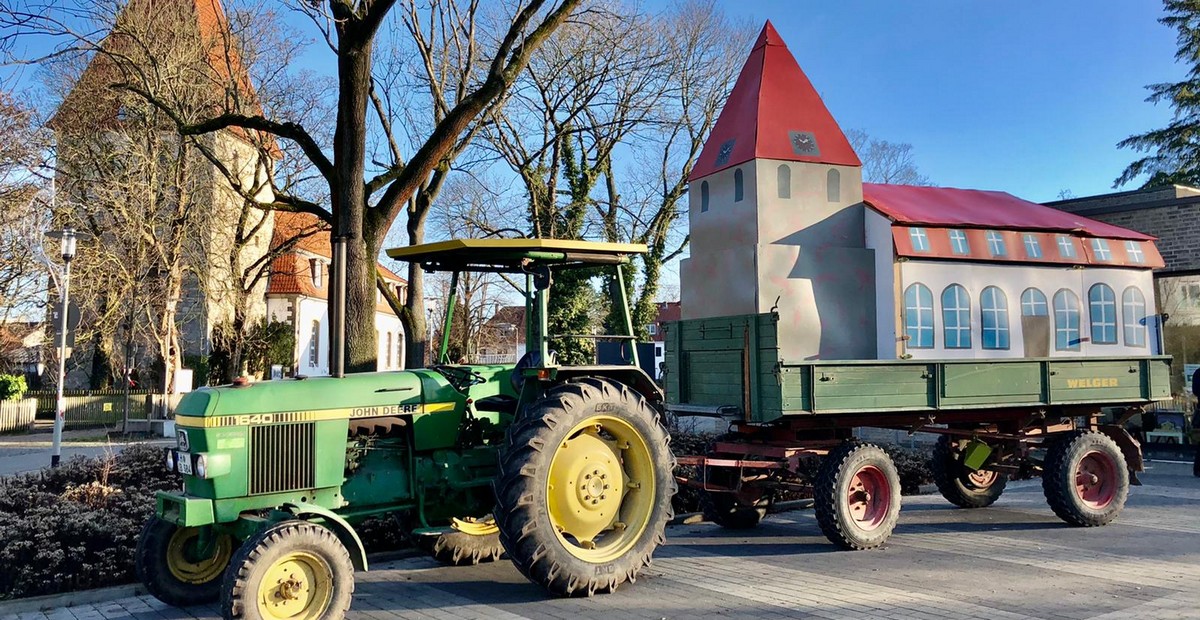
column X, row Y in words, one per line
column 565, row 468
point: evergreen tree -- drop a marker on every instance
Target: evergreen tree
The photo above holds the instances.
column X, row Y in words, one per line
column 1173, row 152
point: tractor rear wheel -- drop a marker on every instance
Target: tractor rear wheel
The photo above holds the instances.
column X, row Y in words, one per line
column 963, row 487
column 471, row 542
column 292, row 570
column 583, row 493
column 1085, row 478
column 857, row 496
column 169, row 562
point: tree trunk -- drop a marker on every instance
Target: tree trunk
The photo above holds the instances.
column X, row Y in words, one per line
column 416, row 327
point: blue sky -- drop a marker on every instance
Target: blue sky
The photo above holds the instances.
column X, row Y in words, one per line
column 1026, row 97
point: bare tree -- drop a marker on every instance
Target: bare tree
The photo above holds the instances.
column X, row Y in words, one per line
column 24, row 209
column 886, row 162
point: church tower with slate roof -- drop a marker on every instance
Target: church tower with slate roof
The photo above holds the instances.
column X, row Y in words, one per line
column 776, row 215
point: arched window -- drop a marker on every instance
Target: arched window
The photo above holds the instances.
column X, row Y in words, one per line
column 785, row 181
column 1102, row 314
column 993, row 310
column 1066, row 321
column 918, row 316
column 956, row 317
column 1133, row 314
column 833, row 186
column 703, row 196
column 739, row 190
column 1033, row 303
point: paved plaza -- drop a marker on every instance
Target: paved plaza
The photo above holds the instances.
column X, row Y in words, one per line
column 1014, row 560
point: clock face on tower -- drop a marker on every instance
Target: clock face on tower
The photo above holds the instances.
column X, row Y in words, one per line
column 804, row 143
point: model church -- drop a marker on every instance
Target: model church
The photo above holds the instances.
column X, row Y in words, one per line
column 780, row 220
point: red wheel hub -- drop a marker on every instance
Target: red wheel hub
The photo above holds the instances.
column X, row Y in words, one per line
column 981, row 479
column 1096, row 479
column 869, row 497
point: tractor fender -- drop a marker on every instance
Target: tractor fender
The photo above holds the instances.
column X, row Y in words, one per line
column 631, row 376
column 339, row 526
column 1129, row 446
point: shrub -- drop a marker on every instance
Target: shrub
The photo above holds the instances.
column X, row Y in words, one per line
column 12, row 387
column 76, row 526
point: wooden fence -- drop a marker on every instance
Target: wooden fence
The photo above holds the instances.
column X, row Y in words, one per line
column 96, row 407
column 17, row 415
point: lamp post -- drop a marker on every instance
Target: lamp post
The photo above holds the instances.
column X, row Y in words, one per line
column 67, row 238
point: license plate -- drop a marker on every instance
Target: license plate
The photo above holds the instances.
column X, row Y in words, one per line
column 183, row 462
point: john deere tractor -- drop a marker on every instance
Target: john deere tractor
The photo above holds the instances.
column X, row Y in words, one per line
column 564, row 468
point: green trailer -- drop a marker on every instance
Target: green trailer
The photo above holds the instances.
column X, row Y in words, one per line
column 792, row 426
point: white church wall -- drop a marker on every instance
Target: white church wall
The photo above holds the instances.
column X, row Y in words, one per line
column 718, row 279
column 1014, row 280
column 879, row 238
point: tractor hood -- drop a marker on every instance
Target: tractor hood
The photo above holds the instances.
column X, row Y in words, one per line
column 294, row 400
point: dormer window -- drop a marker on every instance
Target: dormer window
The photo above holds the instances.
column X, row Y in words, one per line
column 958, row 243
column 996, row 243
column 1133, row 250
column 1066, row 249
column 315, row 270
column 1100, row 249
column 1033, row 249
column 920, row 241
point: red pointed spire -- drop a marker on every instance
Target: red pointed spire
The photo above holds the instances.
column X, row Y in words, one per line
column 773, row 112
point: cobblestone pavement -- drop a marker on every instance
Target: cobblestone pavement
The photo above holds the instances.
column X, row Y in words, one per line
column 1011, row 561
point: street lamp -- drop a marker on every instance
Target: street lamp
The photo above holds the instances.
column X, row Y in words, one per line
column 67, row 238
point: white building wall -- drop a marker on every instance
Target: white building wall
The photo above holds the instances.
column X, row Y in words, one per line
column 879, row 239
column 388, row 323
column 1014, row 280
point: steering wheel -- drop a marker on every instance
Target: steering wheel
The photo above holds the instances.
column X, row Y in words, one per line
column 461, row 377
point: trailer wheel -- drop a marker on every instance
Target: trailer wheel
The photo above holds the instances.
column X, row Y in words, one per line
column 167, row 563
column 1085, row 478
column 963, row 487
column 583, row 492
column 291, row 570
column 857, row 496
column 472, row 542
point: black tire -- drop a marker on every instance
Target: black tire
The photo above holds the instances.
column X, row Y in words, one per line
column 1085, row 478
column 463, row 549
column 179, row 581
column 727, row 511
column 528, row 530
column 269, row 548
column 832, row 493
column 959, row 485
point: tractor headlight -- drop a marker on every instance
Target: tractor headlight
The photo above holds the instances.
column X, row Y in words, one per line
column 202, row 466
column 170, row 459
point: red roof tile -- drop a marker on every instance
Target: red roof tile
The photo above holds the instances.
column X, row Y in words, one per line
column 773, row 112
column 972, row 208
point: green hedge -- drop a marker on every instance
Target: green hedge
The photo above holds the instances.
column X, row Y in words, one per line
column 12, row 387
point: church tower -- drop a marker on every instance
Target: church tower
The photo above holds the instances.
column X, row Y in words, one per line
column 776, row 215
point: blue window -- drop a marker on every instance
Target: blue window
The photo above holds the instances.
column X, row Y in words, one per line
column 1102, row 314
column 1066, row 321
column 1033, row 303
column 784, row 178
column 1066, row 248
column 703, row 196
column 1133, row 250
column 956, row 317
column 1033, row 249
column 1100, row 249
column 739, row 186
column 996, row 243
column 993, row 307
column 1133, row 314
column 958, row 243
column 920, row 241
column 918, row 316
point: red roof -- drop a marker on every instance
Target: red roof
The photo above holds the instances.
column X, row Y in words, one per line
column 773, row 113
column 972, row 208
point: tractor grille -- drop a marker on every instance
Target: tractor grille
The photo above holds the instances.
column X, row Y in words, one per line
column 281, row 458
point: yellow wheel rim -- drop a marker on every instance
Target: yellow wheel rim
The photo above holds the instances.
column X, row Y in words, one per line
column 475, row 527
column 297, row 586
column 601, row 489
column 181, row 551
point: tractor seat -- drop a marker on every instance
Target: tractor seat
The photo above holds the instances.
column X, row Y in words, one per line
column 500, row 403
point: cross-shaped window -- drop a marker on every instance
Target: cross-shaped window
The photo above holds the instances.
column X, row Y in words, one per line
column 1066, row 249
column 1100, row 249
column 920, row 241
column 996, row 243
column 959, row 243
column 1133, row 249
column 1033, row 249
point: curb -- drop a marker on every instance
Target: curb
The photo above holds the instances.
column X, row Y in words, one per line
column 70, row 599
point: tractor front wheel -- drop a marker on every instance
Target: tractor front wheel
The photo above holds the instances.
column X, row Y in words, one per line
column 292, row 570
column 963, row 487
column 1085, row 478
column 857, row 496
column 470, row 542
column 177, row 566
column 583, row 494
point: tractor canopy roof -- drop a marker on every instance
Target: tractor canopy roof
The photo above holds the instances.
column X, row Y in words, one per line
column 514, row 255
